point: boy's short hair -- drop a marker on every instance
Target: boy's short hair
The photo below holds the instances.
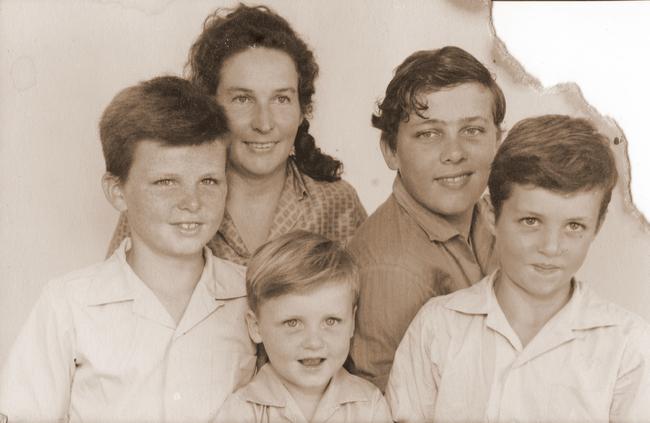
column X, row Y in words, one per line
column 166, row 109
column 427, row 71
column 298, row 262
column 555, row 152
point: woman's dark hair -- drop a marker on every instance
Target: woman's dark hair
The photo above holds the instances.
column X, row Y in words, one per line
column 227, row 32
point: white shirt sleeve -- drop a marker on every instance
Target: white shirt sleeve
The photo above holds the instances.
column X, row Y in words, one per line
column 36, row 378
column 631, row 397
column 413, row 383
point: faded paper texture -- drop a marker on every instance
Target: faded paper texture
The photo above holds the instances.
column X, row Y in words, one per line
column 63, row 61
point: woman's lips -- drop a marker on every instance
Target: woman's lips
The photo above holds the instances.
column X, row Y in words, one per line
column 261, row 146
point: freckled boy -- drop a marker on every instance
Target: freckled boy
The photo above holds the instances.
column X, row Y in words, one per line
column 157, row 331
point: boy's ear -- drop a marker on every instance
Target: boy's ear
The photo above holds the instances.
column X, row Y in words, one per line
column 253, row 327
column 354, row 320
column 488, row 211
column 390, row 156
column 113, row 191
column 601, row 220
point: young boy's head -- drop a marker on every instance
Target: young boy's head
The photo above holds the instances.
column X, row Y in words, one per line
column 439, row 125
column 302, row 290
column 163, row 143
column 551, row 181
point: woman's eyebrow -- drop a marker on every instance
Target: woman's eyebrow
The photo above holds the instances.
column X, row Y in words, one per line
column 288, row 89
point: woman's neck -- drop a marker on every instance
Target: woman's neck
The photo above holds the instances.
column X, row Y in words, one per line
column 241, row 185
column 252, row 203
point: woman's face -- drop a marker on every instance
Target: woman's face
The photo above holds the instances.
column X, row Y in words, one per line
column 258, row 89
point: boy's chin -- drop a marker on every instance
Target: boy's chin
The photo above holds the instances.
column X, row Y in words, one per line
column 178, row 250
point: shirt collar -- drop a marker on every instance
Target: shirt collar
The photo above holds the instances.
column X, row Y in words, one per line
column 434, row 225
column 224, row 280
column 296, row 180
column 294, row 190
column 266, row 389
column 585, row 310
column 117, row 282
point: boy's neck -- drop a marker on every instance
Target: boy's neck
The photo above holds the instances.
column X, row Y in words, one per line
column 526, row 314
column 171, row 279
column 306, row 401
column 461, row 222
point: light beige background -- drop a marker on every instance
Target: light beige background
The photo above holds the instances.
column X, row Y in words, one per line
column 62, row 62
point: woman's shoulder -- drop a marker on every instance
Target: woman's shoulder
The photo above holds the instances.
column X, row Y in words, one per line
column 340, row 187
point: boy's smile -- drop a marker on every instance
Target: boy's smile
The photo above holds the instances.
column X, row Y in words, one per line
column 542, row 239
column 174, row 197
column 444, row 156
column 306, row 335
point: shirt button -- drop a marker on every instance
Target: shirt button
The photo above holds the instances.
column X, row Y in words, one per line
column 176, row 396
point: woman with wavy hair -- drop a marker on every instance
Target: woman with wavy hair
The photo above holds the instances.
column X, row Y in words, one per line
column 262, row 74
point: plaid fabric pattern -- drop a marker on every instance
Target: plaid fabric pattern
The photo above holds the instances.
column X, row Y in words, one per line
column 331, row 209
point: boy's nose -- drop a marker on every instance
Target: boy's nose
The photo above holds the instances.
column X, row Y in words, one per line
column 190, row 200
column 551, row 243
column 452, row 151
column 313, row 340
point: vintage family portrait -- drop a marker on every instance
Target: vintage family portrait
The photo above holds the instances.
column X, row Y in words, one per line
column 282, row 211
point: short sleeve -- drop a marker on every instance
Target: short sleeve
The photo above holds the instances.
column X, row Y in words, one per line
column 631, row 397
column 36, row 379
column 414, row 379
column 235, row 410
column 380, row 412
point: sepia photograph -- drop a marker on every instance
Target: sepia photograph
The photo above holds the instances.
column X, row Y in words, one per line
column 341, row 211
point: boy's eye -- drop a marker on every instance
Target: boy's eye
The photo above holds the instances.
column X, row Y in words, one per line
column 473, row 131
column 530, row 221
column 428, row 134
column 210, row 181
column 576, row 227
column 292, row 323
column 331, row 321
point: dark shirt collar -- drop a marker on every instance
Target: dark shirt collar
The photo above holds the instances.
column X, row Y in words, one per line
column 434, row 225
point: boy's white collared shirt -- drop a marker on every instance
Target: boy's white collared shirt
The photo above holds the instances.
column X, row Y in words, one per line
column 99, row 346
column 460, row 360
column 265, row 399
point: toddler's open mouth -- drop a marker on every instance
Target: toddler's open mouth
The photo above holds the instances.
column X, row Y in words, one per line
column 311, row 362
